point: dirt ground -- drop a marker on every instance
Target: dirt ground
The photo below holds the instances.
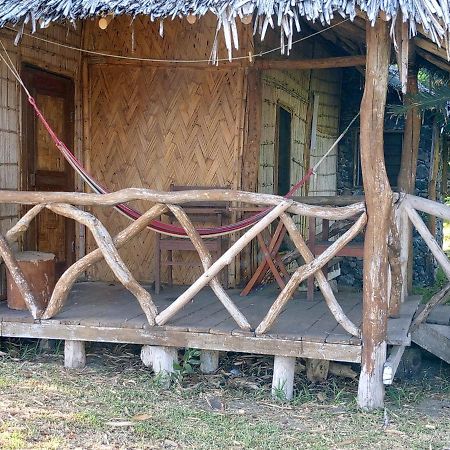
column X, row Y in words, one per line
column 116, row 403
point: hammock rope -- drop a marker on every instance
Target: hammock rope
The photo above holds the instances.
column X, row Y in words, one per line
column 130, row 213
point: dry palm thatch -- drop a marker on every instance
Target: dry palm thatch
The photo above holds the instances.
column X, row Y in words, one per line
column 432, row 16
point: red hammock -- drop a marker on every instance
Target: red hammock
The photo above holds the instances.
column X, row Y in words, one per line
column 131, row 213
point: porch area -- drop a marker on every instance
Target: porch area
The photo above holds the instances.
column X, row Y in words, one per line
column 105, row 312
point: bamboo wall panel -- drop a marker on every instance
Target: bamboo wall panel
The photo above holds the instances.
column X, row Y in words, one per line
column 326, row 84
column 180, row 41
column 151, row 127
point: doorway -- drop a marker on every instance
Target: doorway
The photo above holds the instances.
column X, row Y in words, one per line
column 283, row 150
column 44, row 167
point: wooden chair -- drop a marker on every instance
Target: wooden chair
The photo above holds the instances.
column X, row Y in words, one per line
column 352, row 249
column 200, row 213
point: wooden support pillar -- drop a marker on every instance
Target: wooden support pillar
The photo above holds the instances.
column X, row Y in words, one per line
column 406, row 181
column 283, row 377
column 435, row 159
column 378, row 196
column 161, row 360
column 209, row 361
column 74, row 354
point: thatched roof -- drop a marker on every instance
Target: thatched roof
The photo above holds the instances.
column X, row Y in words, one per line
column 430, row 17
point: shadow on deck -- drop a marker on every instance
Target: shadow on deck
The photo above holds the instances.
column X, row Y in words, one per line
column 103, row 312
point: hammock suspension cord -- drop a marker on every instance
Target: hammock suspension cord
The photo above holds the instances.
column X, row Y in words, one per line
column 130, row 213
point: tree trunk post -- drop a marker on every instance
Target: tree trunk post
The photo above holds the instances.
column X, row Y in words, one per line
column 74, row 354
column 379, row 209
column 406, row 181
column 209, row 361
column 283, row 377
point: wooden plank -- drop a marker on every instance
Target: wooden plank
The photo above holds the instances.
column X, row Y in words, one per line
column 391, row 364
column 206, row 341
column 339, row 336
column 433, row 338
column 440, row 315
column 314, row 63
column 320, row 330
column 398, row 328
column 297, row 329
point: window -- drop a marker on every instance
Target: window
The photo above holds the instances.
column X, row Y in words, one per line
column 283, row 153
column 393, row 143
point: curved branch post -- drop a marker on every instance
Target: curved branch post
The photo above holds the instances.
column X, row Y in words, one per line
column 112, row 257
column 313, row 266
column 68, row 278
column 205, row 258
column 19, row 278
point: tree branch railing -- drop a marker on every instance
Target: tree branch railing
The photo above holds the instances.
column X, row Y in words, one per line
column 408, row 208
column 68, row 204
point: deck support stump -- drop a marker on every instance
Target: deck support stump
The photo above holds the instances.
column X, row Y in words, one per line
column 209, row 361
column 161, row 360
column 74, row 354
column 283, row 377
column 379, row 206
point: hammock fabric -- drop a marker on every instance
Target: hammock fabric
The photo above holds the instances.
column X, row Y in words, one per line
column 155, row 225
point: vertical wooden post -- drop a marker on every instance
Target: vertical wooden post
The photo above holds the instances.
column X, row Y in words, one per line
column 435, row 159
column 74, row 354
column 250, row 156
column 209, row 361
column 378, row 196
column 283, row 377
column 407, row 175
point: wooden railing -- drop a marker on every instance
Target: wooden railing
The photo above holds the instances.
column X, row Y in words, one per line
column 408, row 207
column 67, row 204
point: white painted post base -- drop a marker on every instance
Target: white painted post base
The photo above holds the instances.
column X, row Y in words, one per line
column 370, row 386
column 209, row 361
column 283, row 377
column 160, row 359
column 74, row 354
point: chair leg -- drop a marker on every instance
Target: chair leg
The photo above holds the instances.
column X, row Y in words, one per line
column 170, row 261
column 157, row 265
column 310, row 291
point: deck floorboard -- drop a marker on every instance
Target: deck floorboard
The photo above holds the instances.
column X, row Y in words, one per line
column 107, row 307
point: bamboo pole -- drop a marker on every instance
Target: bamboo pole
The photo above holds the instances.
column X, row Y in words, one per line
column 379, row 209
column 307, row 270
column 205, row 258
column 68, row 278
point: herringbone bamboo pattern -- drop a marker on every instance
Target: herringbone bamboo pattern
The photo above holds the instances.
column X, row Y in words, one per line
column 151, row 127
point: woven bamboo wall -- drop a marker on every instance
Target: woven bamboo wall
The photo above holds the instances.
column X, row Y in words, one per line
column 46, row 56
column 152, row 126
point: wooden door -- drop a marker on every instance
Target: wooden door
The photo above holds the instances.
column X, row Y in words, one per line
column 44, row 167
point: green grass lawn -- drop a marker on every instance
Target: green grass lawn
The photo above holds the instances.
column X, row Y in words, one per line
column 116, row 403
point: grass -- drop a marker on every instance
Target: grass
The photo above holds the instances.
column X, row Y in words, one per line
column 116, row 403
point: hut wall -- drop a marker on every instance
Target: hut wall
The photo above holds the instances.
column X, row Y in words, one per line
column 152, row 124
column 46, row 56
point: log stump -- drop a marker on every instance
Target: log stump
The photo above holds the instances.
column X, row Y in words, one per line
column 39, row 270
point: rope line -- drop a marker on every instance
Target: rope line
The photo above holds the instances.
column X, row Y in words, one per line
column 172, row 61
column 130, row 213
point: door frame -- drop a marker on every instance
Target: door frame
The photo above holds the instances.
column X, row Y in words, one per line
column 51, row 82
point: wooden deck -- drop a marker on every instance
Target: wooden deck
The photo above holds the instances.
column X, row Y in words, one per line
column 103, row 312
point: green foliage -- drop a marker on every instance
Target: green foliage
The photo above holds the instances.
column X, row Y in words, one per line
column 434, row 97
column 187, row 365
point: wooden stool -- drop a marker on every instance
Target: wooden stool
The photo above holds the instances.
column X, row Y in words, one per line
column 39, row 270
